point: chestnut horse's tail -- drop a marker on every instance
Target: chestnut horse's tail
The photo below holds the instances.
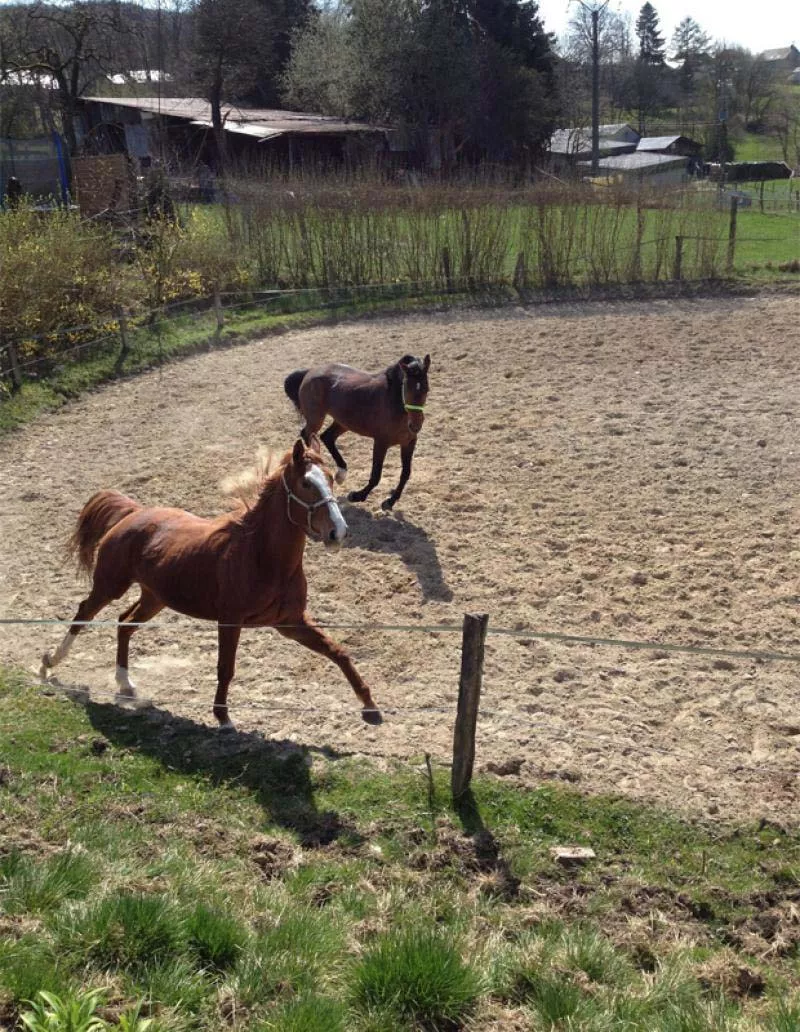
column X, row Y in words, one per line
column 103, row 510
column 292, row 386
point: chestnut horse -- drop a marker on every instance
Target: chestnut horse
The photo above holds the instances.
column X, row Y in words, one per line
column 241, row 569
column 388, row 406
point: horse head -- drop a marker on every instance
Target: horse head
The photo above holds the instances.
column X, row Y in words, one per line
column 415, row 389
column 310, row 503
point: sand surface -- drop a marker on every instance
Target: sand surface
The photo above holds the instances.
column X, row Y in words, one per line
column 608, row 470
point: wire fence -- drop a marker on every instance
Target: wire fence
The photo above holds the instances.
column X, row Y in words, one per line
column 559, row 258
column 637, row 739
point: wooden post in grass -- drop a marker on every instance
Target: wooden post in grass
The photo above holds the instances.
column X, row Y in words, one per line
column 218, row 313
column 13, row 363
column 676, row 273
column 469, row 693
column 732, row 234
column 520, row 273
column 448, row 276
column 125, row 348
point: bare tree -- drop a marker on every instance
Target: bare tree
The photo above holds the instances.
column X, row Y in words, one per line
column 72, row 45
column 232, row 40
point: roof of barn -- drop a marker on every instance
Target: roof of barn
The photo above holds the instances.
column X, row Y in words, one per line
column 258, row 122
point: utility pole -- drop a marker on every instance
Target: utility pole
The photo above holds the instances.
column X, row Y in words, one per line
column 595, row 11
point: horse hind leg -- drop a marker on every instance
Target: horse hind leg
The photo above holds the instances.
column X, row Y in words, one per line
column 329, row 437
column 87, row 611
column 145, row 608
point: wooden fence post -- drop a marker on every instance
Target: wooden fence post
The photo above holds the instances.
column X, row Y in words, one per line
column 676, row 273
column 13, row 363
column 124, row 350
column 448, row 277
column 520, row 280
column 732, row 234
column 218, row 313
column 469, row 693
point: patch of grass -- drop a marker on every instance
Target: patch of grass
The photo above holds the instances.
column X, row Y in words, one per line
column 295, row 955
column 39, row 886
column 174, row 983
column 216, row 939
column 126, row 930
column 310, row 1013
column 419, row 975
column 29, row 965
column 231, row 877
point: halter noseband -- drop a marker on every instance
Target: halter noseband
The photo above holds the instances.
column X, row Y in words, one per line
column 310, row 507
column 406, row 406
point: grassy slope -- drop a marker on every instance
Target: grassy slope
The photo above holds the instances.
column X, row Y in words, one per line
column 217, row 876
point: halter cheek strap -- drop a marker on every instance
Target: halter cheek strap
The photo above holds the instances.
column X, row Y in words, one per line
column 310, row 507
column 406, row 406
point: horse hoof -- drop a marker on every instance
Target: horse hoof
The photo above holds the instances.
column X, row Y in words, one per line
column 371, row 716
column 355, row 496
column 340, row 475
column 387, row 504
column 227, row 726
column 46, row 667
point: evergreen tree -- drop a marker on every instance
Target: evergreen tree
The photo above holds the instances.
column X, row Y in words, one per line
column 690, row 46
column 651, row 43
column 689, row 42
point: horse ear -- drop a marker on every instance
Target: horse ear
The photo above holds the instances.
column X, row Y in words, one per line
column 299, row 452
column 315, row 444
column 426, row 363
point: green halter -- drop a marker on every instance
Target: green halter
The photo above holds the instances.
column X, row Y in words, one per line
column 406, row 406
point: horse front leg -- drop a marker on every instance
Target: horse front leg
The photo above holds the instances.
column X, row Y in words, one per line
column 305, row 633
column 379, row 449
column 406, row 455
column 227, row 644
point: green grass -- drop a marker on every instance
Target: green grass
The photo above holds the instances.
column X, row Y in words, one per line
column 757, row 147
column 234, row 875
column 417, row 976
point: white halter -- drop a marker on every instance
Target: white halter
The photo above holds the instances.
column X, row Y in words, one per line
column 311, row 507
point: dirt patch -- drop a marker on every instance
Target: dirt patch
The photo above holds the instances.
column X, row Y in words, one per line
column 616, row 470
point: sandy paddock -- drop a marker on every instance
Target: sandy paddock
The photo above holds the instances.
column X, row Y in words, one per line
column 612, row 470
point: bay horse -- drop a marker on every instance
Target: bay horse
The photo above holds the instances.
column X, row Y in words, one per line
column 388, row 406
column 240, row 569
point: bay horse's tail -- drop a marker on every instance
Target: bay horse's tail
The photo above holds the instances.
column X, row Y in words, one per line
column 103, row 511
column 292, row 386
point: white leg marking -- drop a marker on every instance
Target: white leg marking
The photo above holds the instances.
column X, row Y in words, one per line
column 51, row 659
column 63, row 648
column 127, row 689
column 341, row 474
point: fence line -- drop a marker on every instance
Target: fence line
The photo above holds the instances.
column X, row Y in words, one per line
column 509, row 632
column 340, row 292
column 559, row 734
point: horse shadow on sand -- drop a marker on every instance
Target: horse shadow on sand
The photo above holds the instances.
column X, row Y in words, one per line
column 397, row 534
column 276, row 773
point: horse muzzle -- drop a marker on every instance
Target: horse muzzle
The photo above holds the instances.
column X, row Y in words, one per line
column 415, row 424
column 336, row 535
